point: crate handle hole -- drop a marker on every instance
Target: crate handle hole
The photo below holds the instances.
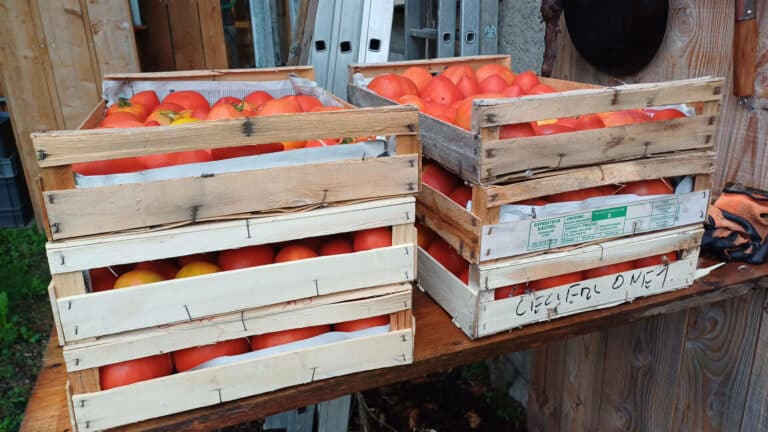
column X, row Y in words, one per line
column 346, row 47
column 374, row 45
column 320, row 46
column 470, row 37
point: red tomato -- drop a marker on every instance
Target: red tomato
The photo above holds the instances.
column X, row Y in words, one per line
column 171, row 159
column 102, row 279
column 464, row 275
column 147, row 98
column 250, row 256
column 251, row 150
column 190, row 100
column 513, row 91
column 461, row 195
column 489, row 69
column 440, row 179
column 188, row 358
column 113, row 166
column 312, row 242
column 550, row 129
column 581, row 194
column 468, row 86
column 443, row 253
column 493, row 84
column 227, row 100
column 165, row 268
column 569, row 122
column 665, row 114
column 646, row 187
column 656, row 260
column 618, row 118
column 305, row 102
column 541, row 89
column 425, row 236
column 372, row 239
column 526, row 81
column 286, row 336
column 533, row 202
column 590, row 121
column 137, row 277
column 293, row 252
column 360, row 324
column 441, row 90
column 258, row 98
column 133, row 371
column 555, row 281
column 508, row 291
column 609, row 269
column 518, row 130
column 125, row 105
column 336, row 246
column 186, row 259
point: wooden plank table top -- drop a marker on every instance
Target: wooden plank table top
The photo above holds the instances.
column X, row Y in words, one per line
column 440, row 345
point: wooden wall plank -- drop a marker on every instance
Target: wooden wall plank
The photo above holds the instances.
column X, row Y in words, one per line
column 154, row 42
column 545, row 396
column 184, row 23
column 641, row 361
column 716, row 364
column 113, row 36
column 756, row 412
column 212, row 34
column 583, row 381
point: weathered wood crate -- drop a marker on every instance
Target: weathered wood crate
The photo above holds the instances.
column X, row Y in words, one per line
column 479, row 156
column 73, row 212
column 101, row 328
column 478, row 314
column 96, row 409
column 480, row 236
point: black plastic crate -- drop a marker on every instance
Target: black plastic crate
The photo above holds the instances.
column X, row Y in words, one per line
column 14, row 217
column 7, row 141
column 9, row 166
column 14, row 194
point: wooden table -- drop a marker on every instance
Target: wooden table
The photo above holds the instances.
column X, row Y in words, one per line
column 440, row 345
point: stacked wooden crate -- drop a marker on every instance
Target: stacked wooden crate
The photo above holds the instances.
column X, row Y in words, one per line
column 126, row 223
column 501, row 172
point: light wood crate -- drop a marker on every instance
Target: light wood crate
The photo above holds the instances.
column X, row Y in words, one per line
column 72, row 212
column 93, row 409
column 479, row 236
column 481, row 157
column 475, row 311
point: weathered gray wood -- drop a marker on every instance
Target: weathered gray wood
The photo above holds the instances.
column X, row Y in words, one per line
column 545, row 396
column 756, row 412
column 583, row 382
column 299, row 420
column 333, row 415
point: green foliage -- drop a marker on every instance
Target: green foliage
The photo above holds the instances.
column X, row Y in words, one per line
column 25, row 319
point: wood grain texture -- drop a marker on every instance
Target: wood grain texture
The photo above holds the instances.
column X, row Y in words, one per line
column 439, row 346
column 545, row 396
column 186, row 36
column 583, row 381
column 212, row 34
column 154, row 43
column 716, row 363
column 113, row 36
column 756, row 411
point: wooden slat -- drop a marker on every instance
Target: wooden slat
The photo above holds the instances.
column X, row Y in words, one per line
column 756, row 410
column 326, row 309
column 459, row 300
column 305, row 30
column 67, row 147
column 467, row 244
column 615, row 173
column 154, row 43
column 545, row 396
column 719, row 349
column 211, row 386
column 433, row 65
column 108, row 250
column 497, row 112
column 113, row 36
column 260, row 74
column 448, row 209
column 82, row 211
column 161, row 303
column 186, row 35
column 212, row 34
column 596, row 146
column 583, row 381
column 641, row 367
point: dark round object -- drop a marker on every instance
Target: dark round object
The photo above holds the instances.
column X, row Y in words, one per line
column 619, row 37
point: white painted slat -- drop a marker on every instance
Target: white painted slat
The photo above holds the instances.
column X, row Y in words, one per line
column 82, row 254
column 195, row 389
column 328, row 309
column 109, row 312
column 591, row 294
column 512, row 271
column 449, row 292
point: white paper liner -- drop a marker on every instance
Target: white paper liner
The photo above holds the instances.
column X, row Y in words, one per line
column 323, row 339
column 515, row 213
column 367, row 149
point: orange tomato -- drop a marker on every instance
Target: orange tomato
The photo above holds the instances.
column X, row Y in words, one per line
column 313, row 243
column 305, row 102
column 655, row 260
column 441, row 90
column 386, row 85
column 197, row 268
column 125, row 105
column 619, row 118
column 443, row 253
column 113, row 166
column 609, row 269
column 293, row 252
column 224, row 111
column 258, row 98
column 102, row 279
column 425, row 236
column 186, row 259
column 190, row 100
column 360, row 324
column 513, row 91
column 526, row 81
column 147, row 98
column 440, row 179
column 133, row 371
column 508, row 291
column 117, row 121
column 555, row 281
column 461, row 195
column 188, row 358
column 468, row 86
column 137, row 277
column 171, row 159
column 279, row 106
column 581, row 194
column 226, row 100
column 549, row 129
column 418, row 75
column 456, row 72
column 412, row 100
column 164, row 114
column 336, row 246
column 440, row 111
column 250, row 256
column 407, row 87
column 165, row 268
column 590, row 121
column 665, row 114
column 646, row 187
column 487, row 70
column 373, row 238
column 287, row 336
column 541, row 89
column 517, row 130
column 493, row 84
column 324, row 108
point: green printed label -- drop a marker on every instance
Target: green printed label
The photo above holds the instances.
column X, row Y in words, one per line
column 611, row 213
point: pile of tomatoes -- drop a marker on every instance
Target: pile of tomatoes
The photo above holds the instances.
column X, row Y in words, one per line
column 449, row 96
column 447, row 256
column 144, row 109
column 119, row 277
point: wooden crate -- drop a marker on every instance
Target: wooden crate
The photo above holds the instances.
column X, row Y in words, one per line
column 480, row 237
column 81, row 315
column 96, row 409
column 475, row 311
column 72, row 212
column 481, row 157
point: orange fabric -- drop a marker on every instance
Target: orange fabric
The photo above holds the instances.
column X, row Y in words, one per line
column 737, row 225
